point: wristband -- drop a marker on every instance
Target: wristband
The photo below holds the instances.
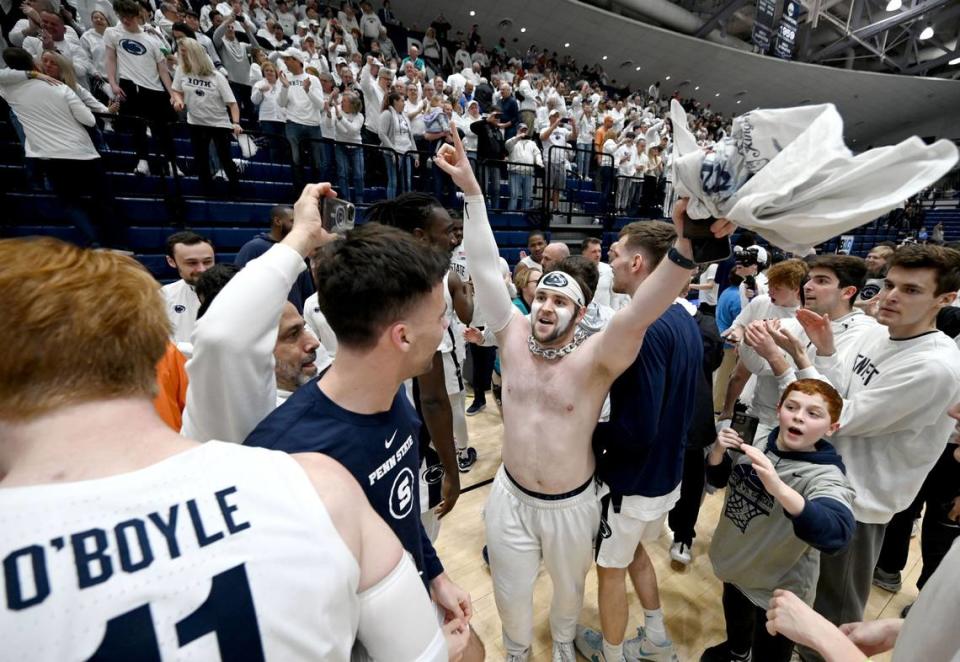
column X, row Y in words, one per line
column 674, row 256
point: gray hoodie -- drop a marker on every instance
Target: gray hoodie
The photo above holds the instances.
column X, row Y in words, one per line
column 757, row 546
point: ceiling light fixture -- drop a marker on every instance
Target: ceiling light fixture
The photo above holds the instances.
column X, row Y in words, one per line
column 894, row 5
column 473, row 13
column 523, row 29
column 567, row 45
column 696, row 88
column 738, row 100
column 604, row 57
column 717, row 94
column 638, row 68
column 927, row 33
column 667, row 77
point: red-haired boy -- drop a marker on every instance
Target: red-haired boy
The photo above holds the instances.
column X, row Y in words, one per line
column 785, row 503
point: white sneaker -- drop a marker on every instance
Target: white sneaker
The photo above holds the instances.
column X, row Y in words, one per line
column 641, row 648
column 241, row 164
column 681, row 553
column 143, row 168
column 174, row 167
column 220, row 175
column 589, row 644
column 564, row 652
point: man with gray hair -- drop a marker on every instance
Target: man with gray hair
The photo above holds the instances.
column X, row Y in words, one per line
column 166, row 16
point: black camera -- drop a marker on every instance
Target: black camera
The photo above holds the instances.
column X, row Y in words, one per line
column 748, row 257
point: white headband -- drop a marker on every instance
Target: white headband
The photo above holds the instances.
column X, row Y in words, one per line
column 562, row 283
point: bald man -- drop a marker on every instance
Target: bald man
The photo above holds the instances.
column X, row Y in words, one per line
column 553, row 254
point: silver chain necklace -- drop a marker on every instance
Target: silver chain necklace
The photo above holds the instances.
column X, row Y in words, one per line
column 551, row 353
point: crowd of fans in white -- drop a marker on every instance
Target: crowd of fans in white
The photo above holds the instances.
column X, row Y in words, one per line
column 325, row 81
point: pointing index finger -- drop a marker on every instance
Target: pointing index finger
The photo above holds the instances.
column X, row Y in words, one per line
column 457, row 143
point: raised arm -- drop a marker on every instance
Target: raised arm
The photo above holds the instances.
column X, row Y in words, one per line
column 256, row 94
column 232, row 380
column 621, row 340
column 482, row 254
column 220, row 31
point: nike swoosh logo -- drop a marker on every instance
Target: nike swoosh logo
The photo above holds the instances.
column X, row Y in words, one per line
column 388, row 444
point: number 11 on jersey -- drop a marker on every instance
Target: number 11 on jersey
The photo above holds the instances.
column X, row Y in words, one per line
column 228, row 611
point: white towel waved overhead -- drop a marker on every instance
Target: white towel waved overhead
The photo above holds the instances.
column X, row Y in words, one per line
column 787, row 175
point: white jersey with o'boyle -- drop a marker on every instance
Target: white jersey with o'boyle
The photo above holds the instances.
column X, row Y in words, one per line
column 218, row 552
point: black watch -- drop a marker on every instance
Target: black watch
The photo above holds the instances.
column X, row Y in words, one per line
column 678, row 259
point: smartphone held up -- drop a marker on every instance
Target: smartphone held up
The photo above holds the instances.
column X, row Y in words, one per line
column 339, row 216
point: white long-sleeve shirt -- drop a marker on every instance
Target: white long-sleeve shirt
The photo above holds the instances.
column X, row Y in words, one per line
column 302, row 106
column 523, row 151
column 604, row 293
column 233, row 385
column 92, row 42
column 19, row 32
column 268, row 101
column 846, row 342
column 53, row 118
column 372, row 99
column 894, row 422
column 90, row 101
column 348, row 128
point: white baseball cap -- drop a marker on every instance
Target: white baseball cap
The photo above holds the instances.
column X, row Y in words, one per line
column 295, row 53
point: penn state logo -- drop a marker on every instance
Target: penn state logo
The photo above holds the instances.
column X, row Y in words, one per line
column 179, row 308
column 401, row 494
column 433, row 474
column 870, row 290
column 133, row 47
column 555, row 279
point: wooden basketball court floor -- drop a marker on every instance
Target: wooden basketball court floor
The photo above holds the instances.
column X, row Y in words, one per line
column 690, row 598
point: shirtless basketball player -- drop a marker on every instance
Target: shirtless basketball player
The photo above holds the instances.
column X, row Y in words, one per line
column 543, row 503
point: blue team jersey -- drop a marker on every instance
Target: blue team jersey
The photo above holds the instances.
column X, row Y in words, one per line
column 380, row 450
column 640, row 450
